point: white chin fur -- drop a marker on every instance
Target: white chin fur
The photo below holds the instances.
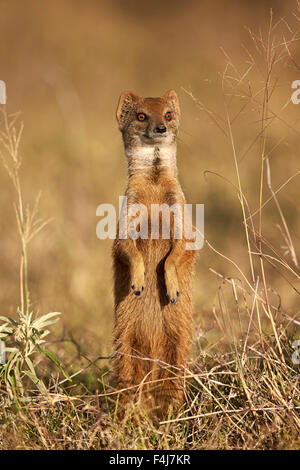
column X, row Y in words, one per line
column 144, row 156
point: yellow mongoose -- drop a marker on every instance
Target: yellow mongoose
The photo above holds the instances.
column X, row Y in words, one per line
column 153, row 308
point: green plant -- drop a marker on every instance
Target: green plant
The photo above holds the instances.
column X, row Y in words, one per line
column 25, row 334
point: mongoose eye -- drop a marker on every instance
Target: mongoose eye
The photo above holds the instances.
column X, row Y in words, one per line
column 141, row 116
column 168, row 116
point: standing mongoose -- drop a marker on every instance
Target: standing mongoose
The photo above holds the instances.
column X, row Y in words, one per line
column 152, row 276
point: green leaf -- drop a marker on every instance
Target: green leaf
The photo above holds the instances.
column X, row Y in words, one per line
column 5, row 319
column 40, row 322
column 50, row 355
column 11, row 350
column 14, row 322
column 31, row 367
column 41, row 386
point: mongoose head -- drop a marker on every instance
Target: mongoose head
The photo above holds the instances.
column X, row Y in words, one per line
column 148, row 121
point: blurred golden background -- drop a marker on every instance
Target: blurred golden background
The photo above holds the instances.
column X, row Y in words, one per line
column 65, row 64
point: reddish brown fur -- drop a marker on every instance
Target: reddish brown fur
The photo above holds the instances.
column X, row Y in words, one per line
column 150, row 326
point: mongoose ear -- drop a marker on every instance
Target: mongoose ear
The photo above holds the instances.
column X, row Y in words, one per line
column 171, row 97
column 125, row 105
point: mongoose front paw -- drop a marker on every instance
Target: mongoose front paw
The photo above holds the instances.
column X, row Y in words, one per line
column 138, row 280
column 171, row 281
column 173, row 297
column 136, row 290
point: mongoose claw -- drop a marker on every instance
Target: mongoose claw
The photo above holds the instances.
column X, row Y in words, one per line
column 137, row 291
column 171, row 281
column 138, row 278
column 173, row 299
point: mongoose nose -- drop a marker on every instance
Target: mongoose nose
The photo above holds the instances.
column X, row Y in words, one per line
column 160, row 128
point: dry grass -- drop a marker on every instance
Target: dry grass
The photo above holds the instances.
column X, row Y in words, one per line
column 242, row 385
